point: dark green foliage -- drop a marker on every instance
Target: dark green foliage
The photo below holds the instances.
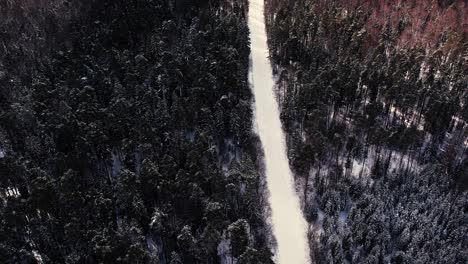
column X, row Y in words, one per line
column 116, row 121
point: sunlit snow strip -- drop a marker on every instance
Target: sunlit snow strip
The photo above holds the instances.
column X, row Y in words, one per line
column 288, row 223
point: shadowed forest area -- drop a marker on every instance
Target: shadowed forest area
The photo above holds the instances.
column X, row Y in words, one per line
column 125, row 133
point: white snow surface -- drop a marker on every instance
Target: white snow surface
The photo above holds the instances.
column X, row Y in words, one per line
column 116, row 162
column 288, row 223
column 12, row 192
column 224, row 251
column 37, row 256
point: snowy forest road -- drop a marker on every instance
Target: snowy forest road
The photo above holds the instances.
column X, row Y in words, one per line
column 288, row 223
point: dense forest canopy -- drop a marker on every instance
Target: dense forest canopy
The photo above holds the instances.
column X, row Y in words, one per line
column 374, row 102
column 126, row 130
column 125, row 133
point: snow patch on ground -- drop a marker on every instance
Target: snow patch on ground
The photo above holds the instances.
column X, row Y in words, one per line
column 317, row 227
column 190, row 136
column 116, row 162
column 155, row 249
column 137, row 155
column 37, row 256
column 224, row 251
column 12, row 192
column 362, row 166
column 342, row 217
column 231, row 152
column 408, row 119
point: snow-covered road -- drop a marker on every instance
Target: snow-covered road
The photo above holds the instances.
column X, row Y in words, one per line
column 288, row 223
